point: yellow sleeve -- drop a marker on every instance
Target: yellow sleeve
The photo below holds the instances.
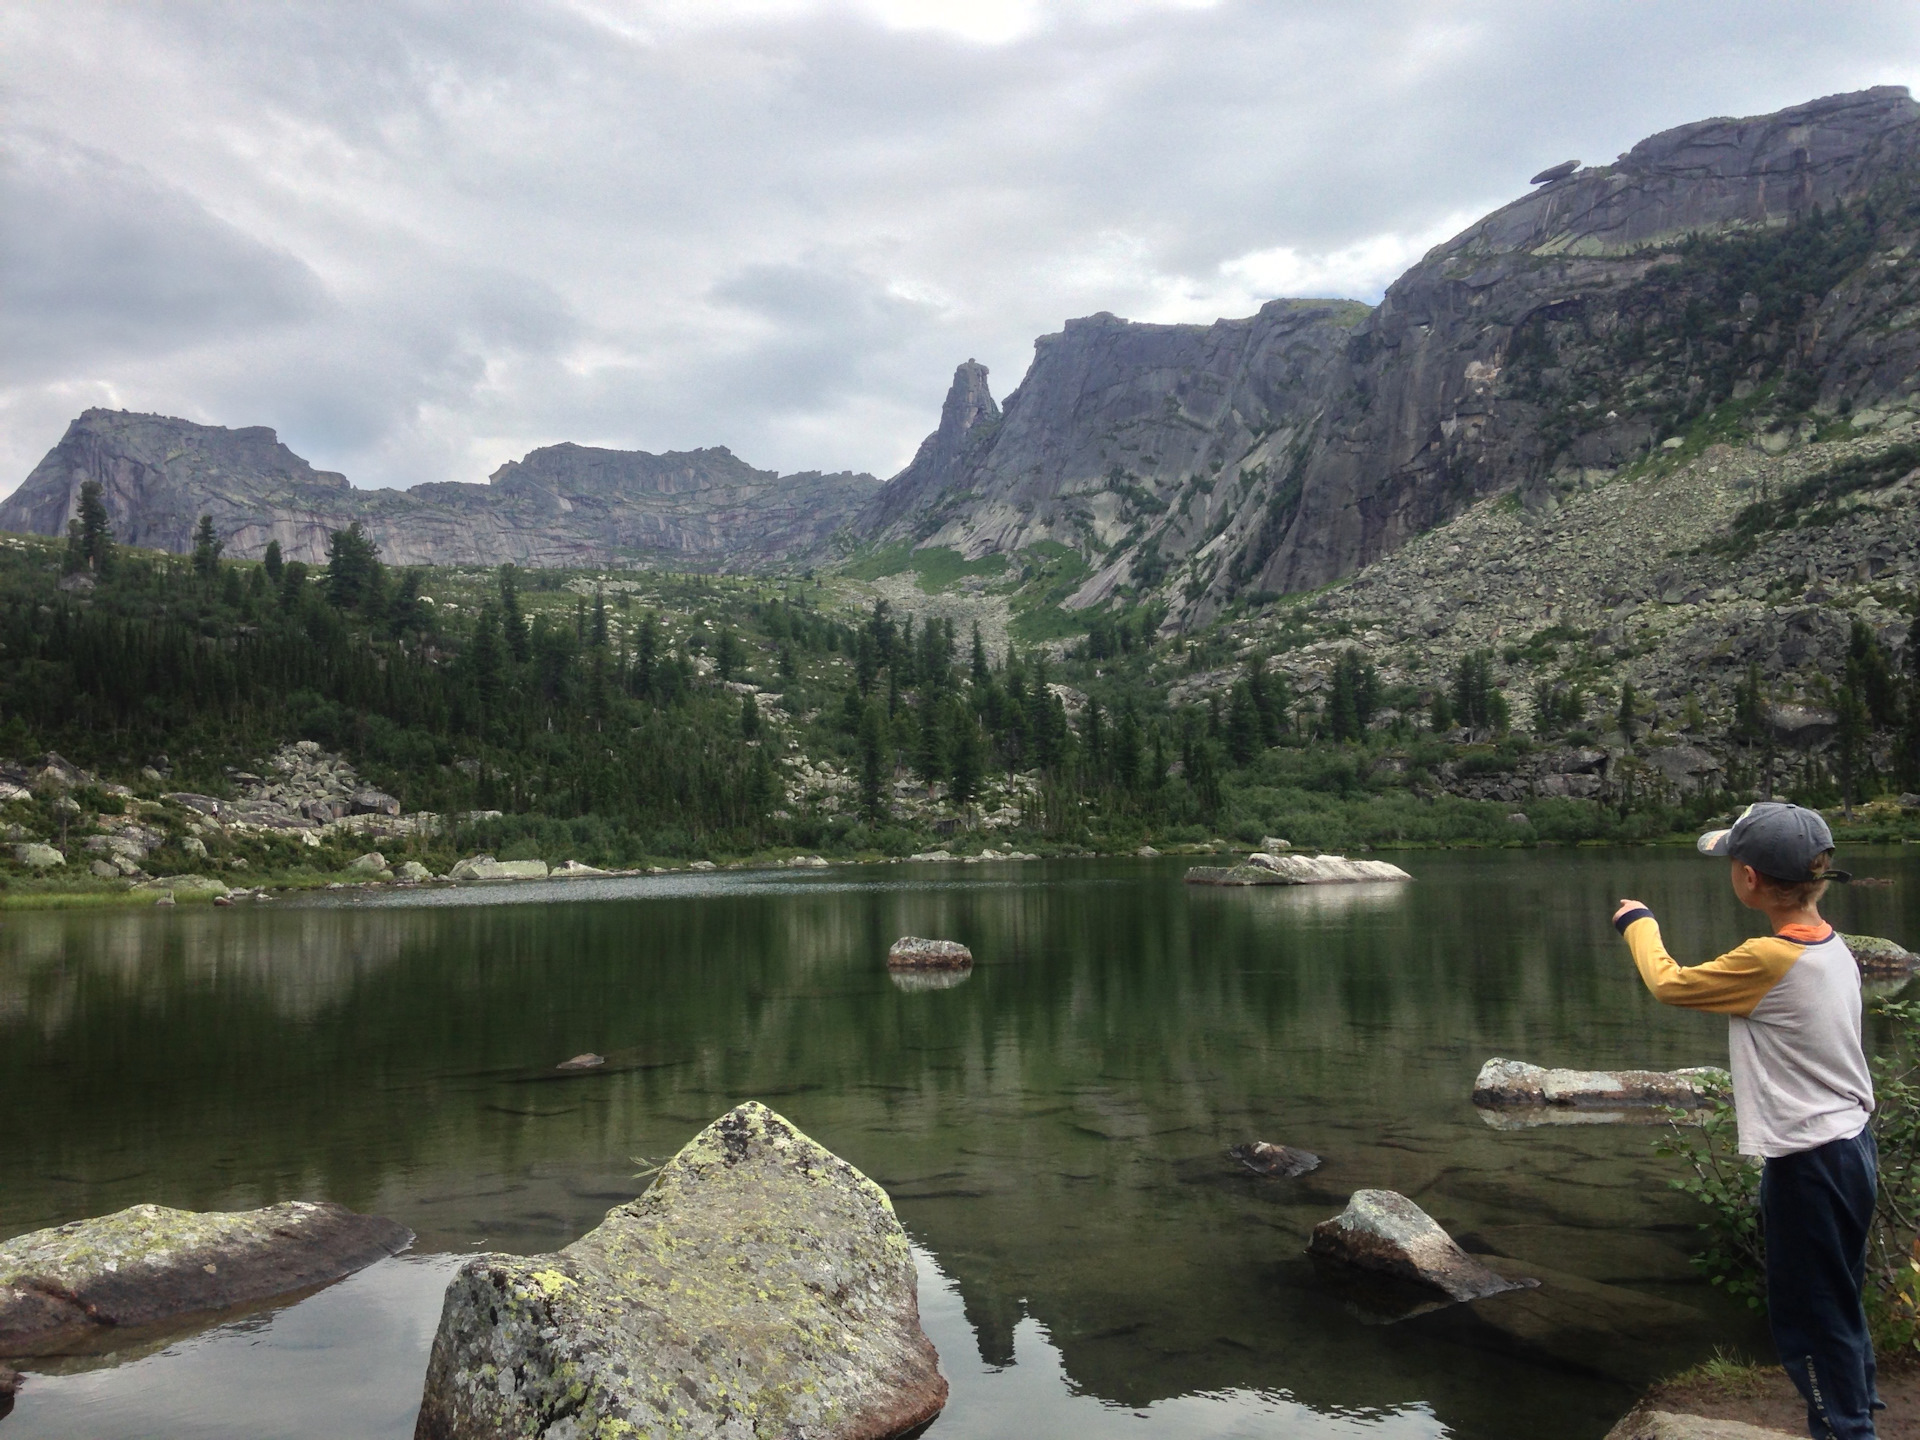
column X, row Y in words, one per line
column 1731, row 985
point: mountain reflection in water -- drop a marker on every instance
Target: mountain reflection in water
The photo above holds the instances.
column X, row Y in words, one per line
column 1052, row 1131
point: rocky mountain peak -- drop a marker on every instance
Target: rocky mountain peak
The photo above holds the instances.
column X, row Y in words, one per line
column 968, row 419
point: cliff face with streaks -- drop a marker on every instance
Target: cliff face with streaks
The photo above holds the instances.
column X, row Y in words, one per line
column 1748, row 273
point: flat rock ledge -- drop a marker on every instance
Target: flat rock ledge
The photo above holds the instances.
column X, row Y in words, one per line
column 761, row 1287
column 910, row 952
column 66, row 1290
column 1666, row 1425
column 1516, row 1085
column 1384, row 1231
column 1264, row 869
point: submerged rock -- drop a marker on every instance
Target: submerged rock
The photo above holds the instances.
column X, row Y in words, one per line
column 762, row 1286
column 1382, row 1230
column 1879, row 957
column 1266, row 869
column 910, row 952
column 66, row 1289
column 1514, row 1084
column 1283, row 1160
column 588, row 1061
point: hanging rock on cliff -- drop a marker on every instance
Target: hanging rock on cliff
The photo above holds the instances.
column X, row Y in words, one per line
column 69, row 1289
column 762, row 1286
column 1383, row 1231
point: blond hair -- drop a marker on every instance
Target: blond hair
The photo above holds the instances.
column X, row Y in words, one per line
column 1799, row 894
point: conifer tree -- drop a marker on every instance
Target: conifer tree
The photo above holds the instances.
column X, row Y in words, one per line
column 273, row 562
column 207, row 546
column 96, row 534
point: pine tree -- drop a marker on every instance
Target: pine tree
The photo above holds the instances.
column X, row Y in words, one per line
column 96, row 534
column 513, row 624
column 1851, row 741
column 875, row 763
column 272, row 561
column 599, row 620
column 727, row 655
column 354, row 580
column 964, row 782
column 931, row 756
column 1909, row 748
column 1626, row 715
column 207, row 546
column 978, row 666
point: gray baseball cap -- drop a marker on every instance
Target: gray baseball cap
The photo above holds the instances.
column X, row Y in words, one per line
column 1778, row 840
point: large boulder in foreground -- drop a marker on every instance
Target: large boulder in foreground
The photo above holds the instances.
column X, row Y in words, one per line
column 762, row 1287
column 69, row 1289
column 1508, row 1086
column 1666, row 1425
column 1384, row 1231
column 1265, row 869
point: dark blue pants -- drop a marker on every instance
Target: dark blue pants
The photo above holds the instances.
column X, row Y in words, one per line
column 1817, row 1207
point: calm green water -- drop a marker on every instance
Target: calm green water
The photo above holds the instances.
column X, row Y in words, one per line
column 1051, row 1130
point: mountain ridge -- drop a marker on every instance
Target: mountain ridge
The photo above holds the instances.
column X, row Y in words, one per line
column 558, row 505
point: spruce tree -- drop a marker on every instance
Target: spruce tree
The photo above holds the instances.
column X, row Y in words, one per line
column 96, row 534
column 272, row 561
column 207, row 546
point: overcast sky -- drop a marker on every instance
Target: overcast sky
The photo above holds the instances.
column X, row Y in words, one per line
column 420, row 239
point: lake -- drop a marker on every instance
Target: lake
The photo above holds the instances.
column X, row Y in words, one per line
column 1052, row 1130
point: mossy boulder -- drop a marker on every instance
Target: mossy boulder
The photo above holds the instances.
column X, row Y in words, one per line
column 72, row 1288
column 761, row 1287
column 1878, row 957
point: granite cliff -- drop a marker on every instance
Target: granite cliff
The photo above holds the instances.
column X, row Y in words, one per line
column 560, row 505
column 1752, row 274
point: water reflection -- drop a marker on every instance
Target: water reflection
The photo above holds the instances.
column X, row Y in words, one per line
column 1053, row 1131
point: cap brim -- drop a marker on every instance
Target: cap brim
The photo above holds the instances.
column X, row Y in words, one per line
column 1714, row 842
column 1839, row 877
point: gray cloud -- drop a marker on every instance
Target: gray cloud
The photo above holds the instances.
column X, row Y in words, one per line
column 420, row 238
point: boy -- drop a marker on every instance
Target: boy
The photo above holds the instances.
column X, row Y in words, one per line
column 1802, row 1095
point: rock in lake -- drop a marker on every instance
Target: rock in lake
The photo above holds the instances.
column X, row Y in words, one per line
column 1514, row 1085
column 485, row 867
column 910, row 952
column 574, row 870
column 68, row 1289
column 761, row 1287
column 412, row 872
column 1881, row 958
column 1666, row 1425
column 1267, row 869
column 1283, row 1160
column 588, row 1061
column 1383, row 1231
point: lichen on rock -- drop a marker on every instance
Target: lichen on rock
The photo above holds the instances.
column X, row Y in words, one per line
column 761, row 1287
column 64, row 1289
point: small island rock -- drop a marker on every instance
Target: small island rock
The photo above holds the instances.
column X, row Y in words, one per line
column 1263, row 868
column 910, row 952
column 1384, row 1231
column 1503, row 1084
column 762, row 1286
column 65, row 1289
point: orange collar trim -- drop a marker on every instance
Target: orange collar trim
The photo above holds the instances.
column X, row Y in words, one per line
column 1805, row 934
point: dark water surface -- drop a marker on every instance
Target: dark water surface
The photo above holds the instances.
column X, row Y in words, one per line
column 1051, row 1129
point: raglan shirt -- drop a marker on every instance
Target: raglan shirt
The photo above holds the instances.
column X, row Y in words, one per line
column 1792, row 1003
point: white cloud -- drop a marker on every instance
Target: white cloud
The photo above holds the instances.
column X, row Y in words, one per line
column 420, row 239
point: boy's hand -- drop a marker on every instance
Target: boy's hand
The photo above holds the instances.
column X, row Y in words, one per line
column 1626, row 905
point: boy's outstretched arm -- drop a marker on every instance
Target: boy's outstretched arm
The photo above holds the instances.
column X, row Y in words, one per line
column 1730, row 985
